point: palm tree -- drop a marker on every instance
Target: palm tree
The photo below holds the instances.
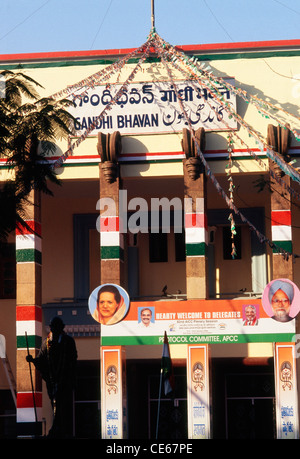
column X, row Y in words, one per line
column 28, row 131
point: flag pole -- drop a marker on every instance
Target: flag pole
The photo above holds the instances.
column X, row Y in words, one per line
column 166, row 372
column 152, row 14
column 158, row 408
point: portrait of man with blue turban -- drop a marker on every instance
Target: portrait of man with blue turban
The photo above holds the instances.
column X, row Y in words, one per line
column 281, row 295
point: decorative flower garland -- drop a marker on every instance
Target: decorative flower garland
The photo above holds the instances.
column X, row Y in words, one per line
column 231, row 189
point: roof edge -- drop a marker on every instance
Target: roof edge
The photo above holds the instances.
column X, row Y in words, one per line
column 213, row 48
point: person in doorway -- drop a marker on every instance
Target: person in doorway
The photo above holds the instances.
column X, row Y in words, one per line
column 281, row 295
column 111, row 306
column 56, row 362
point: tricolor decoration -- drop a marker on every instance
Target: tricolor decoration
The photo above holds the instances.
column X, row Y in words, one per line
column 281, row 221
column 29, row 243
column 196, row 231
column 29, row 401
column 29, row 320
column 111, row 239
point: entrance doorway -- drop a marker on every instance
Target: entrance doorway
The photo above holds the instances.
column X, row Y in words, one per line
column 243, row 400
column 167, row 416
column 250, row 418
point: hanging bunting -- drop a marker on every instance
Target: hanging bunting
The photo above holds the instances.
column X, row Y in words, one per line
column 195, row 70
column 58, row 163
column 213, row 90
column 212, row 85
column 262, row 238
column 231, row 188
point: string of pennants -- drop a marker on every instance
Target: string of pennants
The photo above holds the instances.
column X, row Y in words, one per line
column 192, row 67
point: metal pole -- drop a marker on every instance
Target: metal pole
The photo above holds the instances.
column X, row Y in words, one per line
column 158, row 408
column 152, row 14
column 32, row 387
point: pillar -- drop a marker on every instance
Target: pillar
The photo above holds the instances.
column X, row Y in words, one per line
column 279, row 139
column 196, row 235
column 111, row 235
column 109, row 147
column 29, row 318
column 282, row 267
column 281, row 227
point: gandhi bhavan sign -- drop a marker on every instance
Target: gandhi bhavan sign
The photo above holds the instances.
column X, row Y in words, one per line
column 150, row 107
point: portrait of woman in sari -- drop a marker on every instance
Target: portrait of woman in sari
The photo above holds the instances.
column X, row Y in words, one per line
column 110, row 305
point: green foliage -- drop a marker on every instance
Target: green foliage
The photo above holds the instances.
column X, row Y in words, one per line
column 29, row 127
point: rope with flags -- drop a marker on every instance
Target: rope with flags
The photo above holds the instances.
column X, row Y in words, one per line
column 171, row 56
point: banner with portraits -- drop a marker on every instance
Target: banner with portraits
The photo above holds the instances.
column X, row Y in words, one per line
column 197, row 323
column 266, row 319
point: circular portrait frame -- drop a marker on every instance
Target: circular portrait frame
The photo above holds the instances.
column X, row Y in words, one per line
column 113, row 307
column 292, row 292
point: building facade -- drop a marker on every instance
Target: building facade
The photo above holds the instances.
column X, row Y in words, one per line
column 133, row 210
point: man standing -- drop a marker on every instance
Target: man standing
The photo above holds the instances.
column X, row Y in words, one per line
column 57, row 364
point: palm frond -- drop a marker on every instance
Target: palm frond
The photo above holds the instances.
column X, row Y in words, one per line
column 29, row 128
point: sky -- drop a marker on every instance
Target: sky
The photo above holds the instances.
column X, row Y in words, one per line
column 32, row 26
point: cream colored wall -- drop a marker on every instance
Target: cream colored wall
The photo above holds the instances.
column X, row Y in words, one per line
column 57, row 236
column 265, row 78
